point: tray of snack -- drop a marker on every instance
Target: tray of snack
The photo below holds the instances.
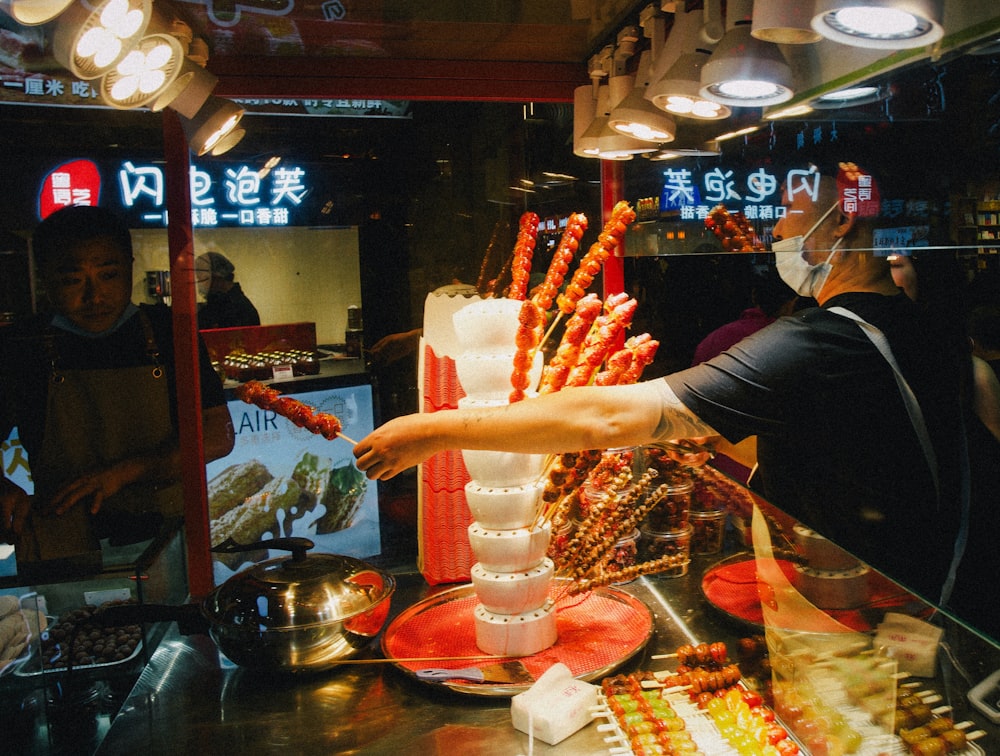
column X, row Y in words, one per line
column 75, row 641
column 704, row 706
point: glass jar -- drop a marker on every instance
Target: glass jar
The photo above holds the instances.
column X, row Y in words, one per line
column 655, row 544
column 709, row 527
column 672, row 507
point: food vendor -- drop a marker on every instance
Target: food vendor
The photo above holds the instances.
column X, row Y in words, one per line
column 226, row 305
column 822, row 398
column 90, row 385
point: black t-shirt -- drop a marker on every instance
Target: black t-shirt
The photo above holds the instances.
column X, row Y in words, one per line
column 836, row 447
column 25, row 366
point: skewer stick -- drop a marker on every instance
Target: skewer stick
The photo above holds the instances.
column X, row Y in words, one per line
column 552, row 327
column 348, row 439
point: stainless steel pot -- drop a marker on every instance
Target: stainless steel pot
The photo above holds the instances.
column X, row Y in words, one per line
column 299, row 613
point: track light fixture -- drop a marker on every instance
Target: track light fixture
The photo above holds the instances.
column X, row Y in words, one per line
column 91, row 39
column 880, row 24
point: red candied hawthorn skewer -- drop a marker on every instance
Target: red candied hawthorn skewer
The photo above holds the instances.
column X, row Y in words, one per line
column 302, row 415
column 576, row 225
column 577, row 327
column 524, row 250
column 614, row 230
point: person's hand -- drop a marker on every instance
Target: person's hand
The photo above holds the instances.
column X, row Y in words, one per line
column 394, row 347
column 94, row 487
column 393, row 447
column 14, row 507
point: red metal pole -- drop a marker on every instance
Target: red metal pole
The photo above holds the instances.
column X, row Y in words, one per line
column 612, row 190
column 180, row 237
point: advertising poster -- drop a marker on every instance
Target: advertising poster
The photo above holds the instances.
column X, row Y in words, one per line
column 281, row 480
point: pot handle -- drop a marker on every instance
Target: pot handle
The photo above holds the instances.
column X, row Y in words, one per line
column 298, row 546
column 188, row 617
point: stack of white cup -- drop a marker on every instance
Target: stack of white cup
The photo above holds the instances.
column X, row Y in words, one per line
column 512, row 575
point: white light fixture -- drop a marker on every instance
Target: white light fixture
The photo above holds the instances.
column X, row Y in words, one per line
column 745, row 71
column 678, row 91
column 584, row 110
column 188, row 92
column 880, row 24
column 90, row 40
column 144, row 73
column 610, row 144
column 784, row 22
column 210, row 127
column 35, row 12
column 227, row 142
column 636, row 117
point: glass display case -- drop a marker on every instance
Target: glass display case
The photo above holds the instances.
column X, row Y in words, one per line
column 69, row 673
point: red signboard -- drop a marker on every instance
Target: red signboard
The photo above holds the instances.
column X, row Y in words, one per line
column 77, row 182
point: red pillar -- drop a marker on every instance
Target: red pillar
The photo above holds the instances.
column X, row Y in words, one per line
column 612, row 191
column 180, row 237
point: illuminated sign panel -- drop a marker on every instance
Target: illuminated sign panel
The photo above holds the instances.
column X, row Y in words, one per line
column 222, row 195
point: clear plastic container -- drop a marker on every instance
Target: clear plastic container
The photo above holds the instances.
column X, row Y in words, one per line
column 654, row 544
column 626, row 554
column 709, row 527
column 672, row 508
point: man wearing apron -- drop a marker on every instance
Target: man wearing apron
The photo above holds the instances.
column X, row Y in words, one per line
column 90, row 386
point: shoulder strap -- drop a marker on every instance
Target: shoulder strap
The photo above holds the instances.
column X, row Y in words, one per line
column 909, row 398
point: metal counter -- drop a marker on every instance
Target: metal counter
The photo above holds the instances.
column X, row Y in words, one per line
column 189, row 700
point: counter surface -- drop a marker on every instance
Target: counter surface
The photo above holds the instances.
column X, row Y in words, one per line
column 189, row 700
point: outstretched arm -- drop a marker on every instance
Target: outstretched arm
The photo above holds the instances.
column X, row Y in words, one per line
column 569, row 420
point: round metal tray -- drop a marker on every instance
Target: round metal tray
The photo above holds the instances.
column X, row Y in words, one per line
column 597, row 633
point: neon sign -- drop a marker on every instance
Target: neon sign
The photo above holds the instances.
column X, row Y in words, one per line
column 239, row 196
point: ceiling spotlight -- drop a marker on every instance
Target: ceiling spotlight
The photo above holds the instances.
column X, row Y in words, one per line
column 144, row 73
column 584, row 110
column 210, row 127
column 227, row 142
column 852, row 96
column 34, row 12
column 188, row 92
column 90, row 40
column 600, row 139
column 743, row 70
column 678, row 91
column 635, row 116
column 880, row 24
column 784, row 22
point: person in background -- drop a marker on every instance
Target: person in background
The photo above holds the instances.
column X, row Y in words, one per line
column 984, row 333
column 90, row 386
column 819, row 395
column 770, row 299
column 935, row 281
column 226, row 306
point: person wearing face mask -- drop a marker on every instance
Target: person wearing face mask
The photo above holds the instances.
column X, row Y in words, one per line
column 841, row 445
column 90, row 386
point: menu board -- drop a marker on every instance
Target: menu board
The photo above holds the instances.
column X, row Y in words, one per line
column 281, row 480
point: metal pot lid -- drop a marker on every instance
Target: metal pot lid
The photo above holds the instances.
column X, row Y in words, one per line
column 298, row 591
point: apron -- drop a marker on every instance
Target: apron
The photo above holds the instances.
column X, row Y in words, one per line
column 93, row 419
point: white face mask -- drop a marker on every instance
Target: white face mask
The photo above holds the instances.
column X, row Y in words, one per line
column 805, row 279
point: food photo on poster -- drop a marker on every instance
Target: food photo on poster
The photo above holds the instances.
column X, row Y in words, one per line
column 283, row 480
